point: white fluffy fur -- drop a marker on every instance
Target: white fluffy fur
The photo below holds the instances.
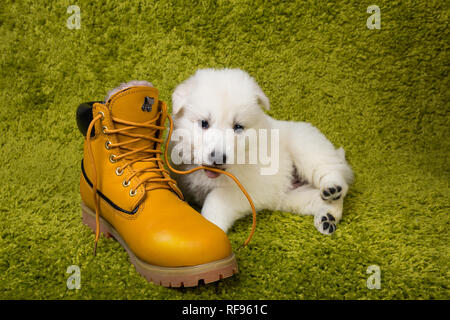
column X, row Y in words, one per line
column 133, row 83
column 222, row 96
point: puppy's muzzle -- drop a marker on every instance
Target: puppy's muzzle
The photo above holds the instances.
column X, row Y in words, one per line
column 217, row 158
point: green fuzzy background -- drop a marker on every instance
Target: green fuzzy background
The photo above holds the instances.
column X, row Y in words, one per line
column 381, row 94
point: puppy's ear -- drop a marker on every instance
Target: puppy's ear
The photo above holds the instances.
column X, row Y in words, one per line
column 261, row 97
column 179, row 97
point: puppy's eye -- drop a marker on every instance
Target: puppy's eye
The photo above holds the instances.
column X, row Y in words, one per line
column 205, row 124
column 238, row 128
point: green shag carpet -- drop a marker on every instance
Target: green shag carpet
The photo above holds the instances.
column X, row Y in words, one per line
column 381, row 94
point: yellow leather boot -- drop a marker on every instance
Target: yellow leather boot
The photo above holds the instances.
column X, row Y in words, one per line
column 127, row 193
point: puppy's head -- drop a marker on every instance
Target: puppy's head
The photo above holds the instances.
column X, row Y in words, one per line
column 214, row 106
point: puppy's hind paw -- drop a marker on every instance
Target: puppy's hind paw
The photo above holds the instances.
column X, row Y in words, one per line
column 325, row 223
column 333, row 192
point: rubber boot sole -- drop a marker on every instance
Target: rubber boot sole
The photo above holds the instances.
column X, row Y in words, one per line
column 189, row 276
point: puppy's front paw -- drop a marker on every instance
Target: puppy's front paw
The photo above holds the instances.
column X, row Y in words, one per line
column 331, row 192
column 325, row 223
column 217, row 217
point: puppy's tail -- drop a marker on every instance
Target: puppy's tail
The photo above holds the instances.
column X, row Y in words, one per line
column 341, row 153
column 346, row 170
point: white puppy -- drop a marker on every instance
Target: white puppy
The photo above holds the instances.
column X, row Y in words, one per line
column 305, row 174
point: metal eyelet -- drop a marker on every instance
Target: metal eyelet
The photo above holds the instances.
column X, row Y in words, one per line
column 112, row 158
column 104, row 128
column 103, row 115
column 108, row 145
column 132, row 192
column 125, row 183
column 119, row 172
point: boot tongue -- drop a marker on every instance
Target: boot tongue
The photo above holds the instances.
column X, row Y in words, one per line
column 136, row 104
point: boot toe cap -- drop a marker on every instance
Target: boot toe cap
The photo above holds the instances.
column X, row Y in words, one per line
column 187, row 242
column 194, row 249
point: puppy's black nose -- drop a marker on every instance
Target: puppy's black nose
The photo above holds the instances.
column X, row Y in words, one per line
column 217, row 158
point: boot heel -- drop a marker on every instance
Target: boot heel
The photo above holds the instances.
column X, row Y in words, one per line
column 89, row 220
